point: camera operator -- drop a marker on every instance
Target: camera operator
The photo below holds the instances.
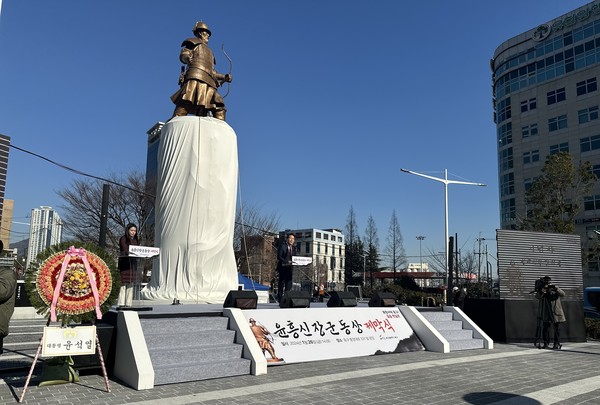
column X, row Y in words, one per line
column 551, row 310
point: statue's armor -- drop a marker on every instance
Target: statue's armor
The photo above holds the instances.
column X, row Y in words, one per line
column 200, row 61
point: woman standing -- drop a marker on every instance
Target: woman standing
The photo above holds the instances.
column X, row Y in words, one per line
column 127, row 265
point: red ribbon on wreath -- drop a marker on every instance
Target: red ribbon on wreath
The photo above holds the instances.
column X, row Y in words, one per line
column 73, row 251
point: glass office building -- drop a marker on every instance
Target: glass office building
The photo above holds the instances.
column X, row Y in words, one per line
column 546, row 100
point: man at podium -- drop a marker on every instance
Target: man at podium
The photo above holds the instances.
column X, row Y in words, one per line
column 284, row 266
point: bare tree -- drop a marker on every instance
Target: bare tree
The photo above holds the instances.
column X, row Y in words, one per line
column 255, row 243
column 83, row 205
column 372, row 245
column 395, row 246
column 354, row 249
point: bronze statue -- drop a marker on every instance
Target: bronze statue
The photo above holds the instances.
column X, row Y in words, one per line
column 199, row 82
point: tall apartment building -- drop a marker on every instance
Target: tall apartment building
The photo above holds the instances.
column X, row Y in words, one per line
column 45, row 230
column 6, row 222
column 152, row 173
column 4, row 148
column 546, row 100
column 328, row 252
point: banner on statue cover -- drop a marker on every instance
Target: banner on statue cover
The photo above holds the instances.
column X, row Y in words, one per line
column 308, row 334
column 70, row 341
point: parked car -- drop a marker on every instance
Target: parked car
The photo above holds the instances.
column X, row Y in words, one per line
column 591, row 302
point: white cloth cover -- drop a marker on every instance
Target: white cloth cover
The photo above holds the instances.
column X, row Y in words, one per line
column 195, row 212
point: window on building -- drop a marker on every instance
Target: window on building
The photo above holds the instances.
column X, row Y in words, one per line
column 589, row 143
column 556, row 123
column 318, row 235
column 528, row 105
column 307, row 247
column 340, row 250
column 531, row 157
column 596, row 170
column 326, row 249
column 507, row 209
column 586, row 86
column 556, row 96
column 561, row 147
column 318, row 247
column 529, row 130
column 506, row 159
column 505, row 134
column 507, row 184
column 332, row 264
column 326, row 236
column 503, row 110
column 591, row 203
column 528, row 182
column 588, row 114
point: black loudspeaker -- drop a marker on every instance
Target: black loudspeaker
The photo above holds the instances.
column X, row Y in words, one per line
column 341, row 299
column 383, row 299
column 241, row 299
column 295, row 299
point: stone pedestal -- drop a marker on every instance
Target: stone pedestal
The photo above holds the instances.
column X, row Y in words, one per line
column 195, row 212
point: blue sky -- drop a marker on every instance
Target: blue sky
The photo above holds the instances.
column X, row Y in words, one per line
column 329, row 100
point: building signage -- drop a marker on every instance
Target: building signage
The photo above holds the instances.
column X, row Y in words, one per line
column 543, row 31
column 307, row 334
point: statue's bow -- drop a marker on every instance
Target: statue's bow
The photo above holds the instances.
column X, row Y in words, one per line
column 230, row 68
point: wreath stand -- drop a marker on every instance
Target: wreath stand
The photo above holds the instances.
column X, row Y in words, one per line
column 71, row 252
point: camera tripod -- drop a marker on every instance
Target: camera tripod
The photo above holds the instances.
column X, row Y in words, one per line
column 545, row 315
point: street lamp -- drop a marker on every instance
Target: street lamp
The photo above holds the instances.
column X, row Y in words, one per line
column 420, row 239
column 446, row 182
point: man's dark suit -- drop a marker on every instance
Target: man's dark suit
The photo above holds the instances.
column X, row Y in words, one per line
column 284, row 268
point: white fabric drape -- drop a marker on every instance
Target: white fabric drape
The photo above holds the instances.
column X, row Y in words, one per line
column 195, row 212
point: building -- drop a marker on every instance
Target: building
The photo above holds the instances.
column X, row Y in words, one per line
column 45, row 230
column 152, row 175
column 4, row 148
column 327, row 249
column 6, row 222
column 546, row 100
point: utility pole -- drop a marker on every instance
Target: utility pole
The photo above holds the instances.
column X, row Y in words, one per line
column 445, row 181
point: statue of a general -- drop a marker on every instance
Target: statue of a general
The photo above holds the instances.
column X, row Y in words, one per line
column 199, row 82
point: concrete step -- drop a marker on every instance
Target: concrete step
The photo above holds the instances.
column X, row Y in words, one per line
column 190, row 324
column 168, row 357
column 185, row 372
column 447, row 325
column 181, row 338
column 438, row 316
column 462, row 334
column 467, row 344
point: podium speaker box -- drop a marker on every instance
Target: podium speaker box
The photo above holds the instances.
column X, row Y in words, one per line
column 383, row 299
column 241, row 299
column 341, row 299
column 295, row 299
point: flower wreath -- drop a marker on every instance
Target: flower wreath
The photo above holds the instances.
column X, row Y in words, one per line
column 79, row 297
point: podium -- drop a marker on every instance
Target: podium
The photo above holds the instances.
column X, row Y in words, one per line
column 129, row 295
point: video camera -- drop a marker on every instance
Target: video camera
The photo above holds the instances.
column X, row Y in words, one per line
column 546, row 290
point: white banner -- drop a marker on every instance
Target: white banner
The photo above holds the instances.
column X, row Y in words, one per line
column 307, row 334
column 69, row 341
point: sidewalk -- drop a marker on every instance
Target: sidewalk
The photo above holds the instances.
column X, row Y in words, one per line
column 508, row 374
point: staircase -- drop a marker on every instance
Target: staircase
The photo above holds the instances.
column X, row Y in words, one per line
column 21, row 344
column 192, row 349
column 452, row 330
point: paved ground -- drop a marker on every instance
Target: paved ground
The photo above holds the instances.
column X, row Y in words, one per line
column 508, row 374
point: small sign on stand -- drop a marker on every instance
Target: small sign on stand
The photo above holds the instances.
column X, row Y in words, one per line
column 69, row 341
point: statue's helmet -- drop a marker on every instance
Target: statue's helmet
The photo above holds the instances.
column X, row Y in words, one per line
column 201, row 26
